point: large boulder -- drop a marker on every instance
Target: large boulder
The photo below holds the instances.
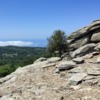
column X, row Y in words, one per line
column 83, row 50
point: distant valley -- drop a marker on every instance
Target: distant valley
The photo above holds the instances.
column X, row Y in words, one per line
column 12, row 57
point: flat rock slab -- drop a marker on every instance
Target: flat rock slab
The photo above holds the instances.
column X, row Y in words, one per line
column 49, row 65
column 83, row 50
column 76, row 78
column 78, row 60
column 89, row 77
column 77, row 70
column 40, row 60
column 66, row 65
column 94, row 72
column 54, row 59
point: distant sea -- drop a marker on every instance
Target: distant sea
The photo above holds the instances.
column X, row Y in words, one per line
column 38, row 42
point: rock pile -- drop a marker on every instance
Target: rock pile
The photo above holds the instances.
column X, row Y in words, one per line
column 57, row 78
column 88, row 34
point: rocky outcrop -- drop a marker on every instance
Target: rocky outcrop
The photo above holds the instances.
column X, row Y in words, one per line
column 85, row 35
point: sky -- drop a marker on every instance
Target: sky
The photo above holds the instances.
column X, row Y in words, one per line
column 31, row 22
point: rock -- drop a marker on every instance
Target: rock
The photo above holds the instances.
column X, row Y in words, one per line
column 66, row 56
column 77, row 78
column 66, row 65
column 77, row 70
column 40, row 60
column 87, row 56
column 80, row 42
column 56, row 71
column 97, row 47
column 78, row 60
column 83, row 36
column 95, row 37
column 53, row 59
column 89, row 78
column 94, row 72
column 98, row 60
column 75, row 87
column 65, row 59
column 83, row 50
column 77, row 34
column 6, row 98
column 49, row 65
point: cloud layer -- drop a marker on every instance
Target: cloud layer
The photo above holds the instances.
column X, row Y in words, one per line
column 15, row 43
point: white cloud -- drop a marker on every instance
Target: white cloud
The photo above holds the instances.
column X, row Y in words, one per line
column 15, row 43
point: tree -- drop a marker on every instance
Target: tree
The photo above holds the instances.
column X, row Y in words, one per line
column 57, row 43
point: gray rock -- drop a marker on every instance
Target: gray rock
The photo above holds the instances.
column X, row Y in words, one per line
column 89, row 78
column 49, row 65
column 78, row 33
column 83, row 36
column 98, row 60
column 83, row 50
column 87, row 56
column 77, row 70
column 95, row 37
column 80, row 42
column 66, row 65
column 84, row 31
column 53, row 59
column 94, row 72
column 76, row 78
column 78, row 60
column 64, row 55
column 40, row 60
column 97, row 47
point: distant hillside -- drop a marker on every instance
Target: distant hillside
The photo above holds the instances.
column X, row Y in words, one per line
column 13, row 57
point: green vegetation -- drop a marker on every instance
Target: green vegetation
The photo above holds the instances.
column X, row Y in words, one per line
column 12, row 57
column 57, row 43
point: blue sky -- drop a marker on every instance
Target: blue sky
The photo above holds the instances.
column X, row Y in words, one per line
column 35, row 20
